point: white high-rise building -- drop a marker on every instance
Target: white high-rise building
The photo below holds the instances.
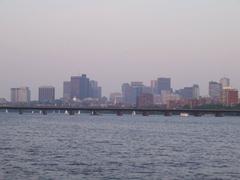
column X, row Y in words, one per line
column 20, row 95
column 196, row 91
column 225, row 82
column 215, row 90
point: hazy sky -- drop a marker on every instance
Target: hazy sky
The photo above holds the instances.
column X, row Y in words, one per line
column 44, row 42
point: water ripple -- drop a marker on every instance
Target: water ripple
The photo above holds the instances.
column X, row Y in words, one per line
column 110, row 147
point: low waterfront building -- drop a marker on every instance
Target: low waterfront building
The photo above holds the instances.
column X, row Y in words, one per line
column 229, row 96
column 189, row 92
column 3, row 101
column 116, row 98
column 145, row 100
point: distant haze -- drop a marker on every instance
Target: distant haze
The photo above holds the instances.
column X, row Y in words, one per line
column 45, row 42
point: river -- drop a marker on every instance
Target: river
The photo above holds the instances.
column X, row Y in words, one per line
column 57, row 146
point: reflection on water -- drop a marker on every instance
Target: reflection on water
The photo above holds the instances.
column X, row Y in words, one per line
column 56, row 146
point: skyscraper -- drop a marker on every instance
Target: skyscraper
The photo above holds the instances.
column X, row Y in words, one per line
column 225, row 82
column 163, row 84
column 127, row 94
column 94, row 90
column 130, row 92
column 137, row 88
column 46, row 94
column 99, row 92
column 215, row 90
column 84, row 87
column 75, row 87
column 154, row 87
column 196, row 91
column 20, row 95
column 67, row 90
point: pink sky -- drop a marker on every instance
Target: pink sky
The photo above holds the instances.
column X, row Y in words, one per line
column 45, row 42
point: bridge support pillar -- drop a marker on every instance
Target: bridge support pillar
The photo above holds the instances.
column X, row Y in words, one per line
column 145, row 113
column 167, row 113
column 219, row 114
column 94, row 113
column 71, row 112
column 44, row 112
column 20, row 111
column 119, row 113
column 197, row 114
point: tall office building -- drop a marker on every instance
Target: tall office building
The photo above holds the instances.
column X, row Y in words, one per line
column 20, row 95
column 75, row 87
column 225, row 82
column 154, row 87
column 215, row 91
column 189, row 92
column 138, row 88
column 131, row 92
column 67, row 90
column 163, row 84
column 46, row 94
column 127, row 94
column 196, row 91
column 185, row 93
column 94, row 90
column 84, row 87
column 147, row 90
column 99, row 92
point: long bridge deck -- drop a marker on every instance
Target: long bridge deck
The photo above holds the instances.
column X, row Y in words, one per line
column 121, row 111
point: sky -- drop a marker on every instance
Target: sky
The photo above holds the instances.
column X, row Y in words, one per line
column 116, row 41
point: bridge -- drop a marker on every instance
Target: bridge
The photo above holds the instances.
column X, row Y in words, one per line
column 120, row 111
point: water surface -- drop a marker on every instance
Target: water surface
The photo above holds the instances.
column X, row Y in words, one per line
column 34, row 146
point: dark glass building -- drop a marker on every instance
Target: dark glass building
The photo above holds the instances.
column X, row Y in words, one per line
column 131, row 92
column 82, row 87
column 46, row 94
column 75, row 87
column 66, row 90
column 163, row 84
column 95, row 90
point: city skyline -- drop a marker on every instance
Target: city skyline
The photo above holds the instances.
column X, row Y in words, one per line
column 83, row 91
column 59, row 90
column 154, row 87
column 43, row 43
